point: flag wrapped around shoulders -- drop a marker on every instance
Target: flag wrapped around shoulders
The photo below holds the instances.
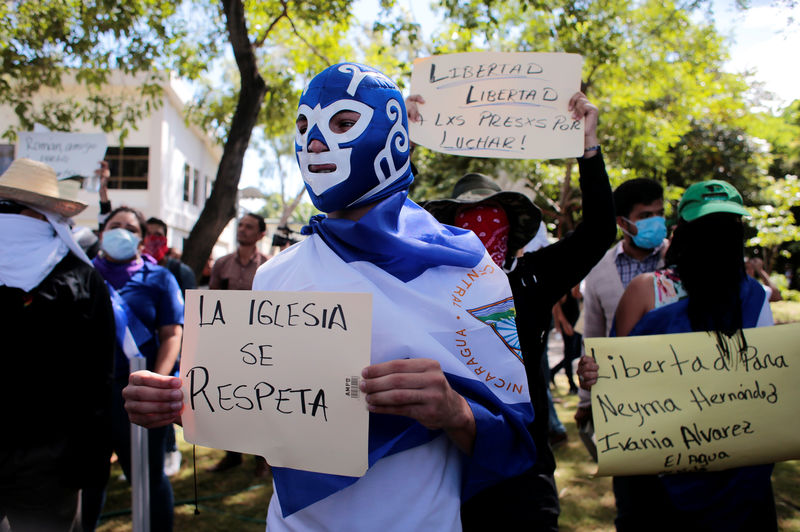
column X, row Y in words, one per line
column 460, row 314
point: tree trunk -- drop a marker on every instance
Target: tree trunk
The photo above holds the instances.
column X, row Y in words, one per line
column 289, row 209
column 221, row 205
column 565, row 196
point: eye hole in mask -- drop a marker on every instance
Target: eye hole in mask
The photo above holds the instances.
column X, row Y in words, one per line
column 340, row 123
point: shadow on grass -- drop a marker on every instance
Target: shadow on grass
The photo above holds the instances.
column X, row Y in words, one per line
column 231, row 500
column 587, row 502
column 236, row 500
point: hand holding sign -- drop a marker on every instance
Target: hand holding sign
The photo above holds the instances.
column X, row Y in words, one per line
column 277, row 374
column 153, row 400
column 686, row 402
column 491, row 104
column 417, row 388
column 582, row 109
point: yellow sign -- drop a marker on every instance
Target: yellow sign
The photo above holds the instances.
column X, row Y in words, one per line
column 688, row 402
column 498, row 104
column 276, row 374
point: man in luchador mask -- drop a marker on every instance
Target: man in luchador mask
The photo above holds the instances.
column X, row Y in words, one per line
column 446, row 419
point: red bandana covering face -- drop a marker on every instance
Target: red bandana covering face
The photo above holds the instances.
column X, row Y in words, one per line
column 490, row 223
column 156, row 246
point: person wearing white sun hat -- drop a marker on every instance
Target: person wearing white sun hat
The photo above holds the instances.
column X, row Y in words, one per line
column 59, row 327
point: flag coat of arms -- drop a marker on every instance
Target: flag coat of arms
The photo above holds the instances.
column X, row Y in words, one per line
column 463, row 317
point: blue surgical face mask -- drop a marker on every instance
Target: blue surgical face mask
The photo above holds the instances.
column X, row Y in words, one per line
column 372, row 158
column 120, row 244
column 650, row 232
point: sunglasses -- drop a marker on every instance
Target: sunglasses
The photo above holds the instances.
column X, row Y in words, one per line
column 11, row 207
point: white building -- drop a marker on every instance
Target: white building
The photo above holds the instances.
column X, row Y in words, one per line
column 165, row 169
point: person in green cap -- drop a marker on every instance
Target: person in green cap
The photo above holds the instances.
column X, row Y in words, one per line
column 663, row 286
column 704, row 289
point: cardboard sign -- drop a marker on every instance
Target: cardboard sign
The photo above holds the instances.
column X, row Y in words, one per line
column 276, row 374
column 498, row 104
column 684, row 402
column 69, row 154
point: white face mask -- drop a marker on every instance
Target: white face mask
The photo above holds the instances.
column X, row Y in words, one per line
column 120, row 244
column 30, row 250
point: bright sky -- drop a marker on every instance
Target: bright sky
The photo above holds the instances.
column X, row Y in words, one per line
column 761, row 38
column 762, row 41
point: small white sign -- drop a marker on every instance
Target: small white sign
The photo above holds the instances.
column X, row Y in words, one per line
column 69, row 154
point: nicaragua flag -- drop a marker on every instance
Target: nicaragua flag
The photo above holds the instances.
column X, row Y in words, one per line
column 436, row 294
column 130, row 332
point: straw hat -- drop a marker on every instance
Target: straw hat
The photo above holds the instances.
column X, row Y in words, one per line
column 523, row 215
column 35, row 183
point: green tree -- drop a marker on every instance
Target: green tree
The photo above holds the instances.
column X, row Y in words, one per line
column 774, row 219
column 717, row 150
column 653, row 70
column 276, row 46
column 275, row 207
column 42, row 43
column 782, row 132
column 776, row 197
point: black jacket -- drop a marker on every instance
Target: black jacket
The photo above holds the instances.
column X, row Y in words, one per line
column 55, row 368
column 542, row 277
column 529, row 501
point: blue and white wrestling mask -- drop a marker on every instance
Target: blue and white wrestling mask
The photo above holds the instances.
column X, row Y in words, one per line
column 362, row 164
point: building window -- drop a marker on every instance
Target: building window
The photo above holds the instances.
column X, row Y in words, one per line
column 129, row 167
column 197, row 189
column 6, row 156
column 187, row 181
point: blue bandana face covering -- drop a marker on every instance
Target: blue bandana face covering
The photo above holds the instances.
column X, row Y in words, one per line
column 650, row 232
column 372, row 158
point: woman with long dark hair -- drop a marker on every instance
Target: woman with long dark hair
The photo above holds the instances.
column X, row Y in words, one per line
column 710, row 292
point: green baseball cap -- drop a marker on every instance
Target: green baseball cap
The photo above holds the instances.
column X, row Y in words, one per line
column 709, row 197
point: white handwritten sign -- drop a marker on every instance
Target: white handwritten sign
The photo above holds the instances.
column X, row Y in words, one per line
column 496, row 104
column 276, row 374
column 686, row 402
column 69, row 154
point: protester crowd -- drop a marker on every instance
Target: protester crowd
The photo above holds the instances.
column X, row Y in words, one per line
column 447, row 451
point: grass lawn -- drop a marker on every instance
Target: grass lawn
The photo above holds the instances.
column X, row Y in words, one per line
column 785, row 311
column 228, row 501
column 235, row 500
